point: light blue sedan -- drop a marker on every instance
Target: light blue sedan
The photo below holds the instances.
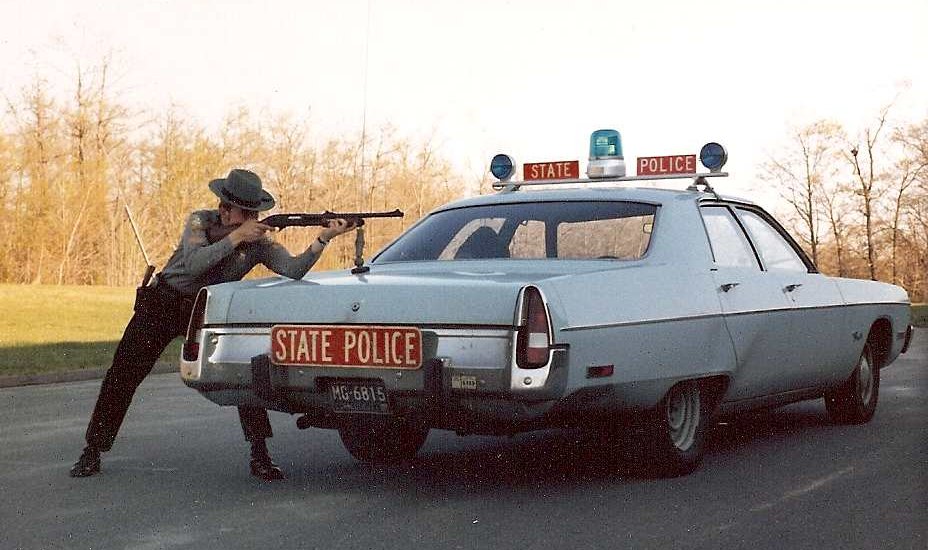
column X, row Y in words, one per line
column 569, row 306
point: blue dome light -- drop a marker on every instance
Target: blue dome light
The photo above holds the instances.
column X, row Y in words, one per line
column 502, row 167
column 713, row 156
column 605, row 144
column 606, row 159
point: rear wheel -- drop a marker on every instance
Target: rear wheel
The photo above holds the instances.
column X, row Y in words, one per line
column 854, row 402
column 678, row 430
column 382, row 440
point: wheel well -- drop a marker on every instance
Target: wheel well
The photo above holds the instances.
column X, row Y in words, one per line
column 881, row 340
column 714, row 388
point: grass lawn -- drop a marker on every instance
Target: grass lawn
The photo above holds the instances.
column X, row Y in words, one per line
column 48, row 328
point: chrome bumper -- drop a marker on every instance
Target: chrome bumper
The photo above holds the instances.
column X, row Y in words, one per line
column 469, row 369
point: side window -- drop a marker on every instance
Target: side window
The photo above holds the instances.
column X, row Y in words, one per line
column 774, row 250
column 729, row 244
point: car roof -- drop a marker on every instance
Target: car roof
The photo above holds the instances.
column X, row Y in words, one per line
column 612, row 193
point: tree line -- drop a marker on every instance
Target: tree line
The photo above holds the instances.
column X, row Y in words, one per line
column 859, row 203
column 69, row 166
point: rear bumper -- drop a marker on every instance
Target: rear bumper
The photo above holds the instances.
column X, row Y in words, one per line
column 431, row 395
column 467, row 381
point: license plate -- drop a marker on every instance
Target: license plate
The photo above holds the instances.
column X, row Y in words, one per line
column 367, row 396
column 347, row 346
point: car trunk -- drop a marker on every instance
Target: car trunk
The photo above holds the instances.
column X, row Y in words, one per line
column 411, row 295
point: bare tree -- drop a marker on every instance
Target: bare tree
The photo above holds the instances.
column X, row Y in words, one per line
column 40, row 144
column 836, row 208
column 912, row 199
column 869, row 181
column 801, row 173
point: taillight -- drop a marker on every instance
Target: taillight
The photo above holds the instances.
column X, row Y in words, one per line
column 191, row 341
column 533, row 343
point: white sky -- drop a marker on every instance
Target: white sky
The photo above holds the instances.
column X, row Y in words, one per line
column 530, row 78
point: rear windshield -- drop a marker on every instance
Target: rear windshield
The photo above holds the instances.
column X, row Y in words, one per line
column 581, row 230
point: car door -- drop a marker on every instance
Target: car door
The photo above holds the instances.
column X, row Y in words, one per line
column 756, row 311
column 818, row 320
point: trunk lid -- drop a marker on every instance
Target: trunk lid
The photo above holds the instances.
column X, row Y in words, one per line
column 421, row 294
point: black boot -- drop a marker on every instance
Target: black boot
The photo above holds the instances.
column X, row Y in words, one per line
column 261, row 465
column 88, row 464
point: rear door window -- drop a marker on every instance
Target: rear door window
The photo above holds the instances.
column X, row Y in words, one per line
column 730, row 245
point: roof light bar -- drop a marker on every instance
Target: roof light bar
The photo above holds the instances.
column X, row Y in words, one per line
column 517, row 184
column 607, row 164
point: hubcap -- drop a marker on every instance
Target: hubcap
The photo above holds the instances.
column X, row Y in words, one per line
column 864, row 379
column 683, row 415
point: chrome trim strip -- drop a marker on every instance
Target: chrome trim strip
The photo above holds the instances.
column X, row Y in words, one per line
column 423, row 326
column 647, row 322
column 479, row 332
column 711, row 315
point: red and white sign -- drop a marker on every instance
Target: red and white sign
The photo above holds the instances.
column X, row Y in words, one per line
column 346, row 346
column 562, row 170
column 664, row 166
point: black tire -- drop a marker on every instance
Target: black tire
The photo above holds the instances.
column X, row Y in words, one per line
column 382, row 440
column 854, row 402
column 677, row 431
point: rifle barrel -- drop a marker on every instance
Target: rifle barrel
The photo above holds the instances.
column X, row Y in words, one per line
column 135, row 230
column 289, row 220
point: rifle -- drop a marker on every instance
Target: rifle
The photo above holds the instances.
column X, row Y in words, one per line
column 149, row 268
column 280, row 221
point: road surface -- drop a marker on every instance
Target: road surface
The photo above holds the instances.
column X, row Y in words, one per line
column 177, row 478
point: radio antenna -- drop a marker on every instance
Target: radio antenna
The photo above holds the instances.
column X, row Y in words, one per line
column 367, row 45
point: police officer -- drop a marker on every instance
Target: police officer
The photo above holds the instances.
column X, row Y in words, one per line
column 163, row 311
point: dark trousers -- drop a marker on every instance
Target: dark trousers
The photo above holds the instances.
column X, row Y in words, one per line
column 160, row 316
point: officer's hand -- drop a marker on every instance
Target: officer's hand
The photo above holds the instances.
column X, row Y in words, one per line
column 335, row 228
column 249, row 232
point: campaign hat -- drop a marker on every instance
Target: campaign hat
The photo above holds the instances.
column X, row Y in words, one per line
column 243, row 188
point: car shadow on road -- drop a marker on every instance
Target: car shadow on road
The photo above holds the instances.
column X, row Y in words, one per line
column 799, row 421
column 541, row 461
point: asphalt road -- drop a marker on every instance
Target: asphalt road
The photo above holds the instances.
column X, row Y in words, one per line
column 177, row 478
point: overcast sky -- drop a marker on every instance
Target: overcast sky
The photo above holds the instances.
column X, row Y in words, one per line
column 529, row 77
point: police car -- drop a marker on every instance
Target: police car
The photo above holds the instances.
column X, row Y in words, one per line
column 557, row 301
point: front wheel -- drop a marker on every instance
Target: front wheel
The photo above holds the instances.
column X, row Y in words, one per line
column 382, row 440
column 854, row 402
column 678, row 431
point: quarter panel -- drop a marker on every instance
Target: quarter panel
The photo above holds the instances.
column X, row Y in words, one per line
column 871, row 300
column 650, row 322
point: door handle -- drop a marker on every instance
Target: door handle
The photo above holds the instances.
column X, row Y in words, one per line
column 728, row 286
column 792, row 287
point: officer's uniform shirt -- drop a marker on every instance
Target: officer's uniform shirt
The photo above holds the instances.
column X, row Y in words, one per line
column 197, row 262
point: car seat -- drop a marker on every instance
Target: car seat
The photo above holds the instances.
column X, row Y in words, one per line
column 482, row 243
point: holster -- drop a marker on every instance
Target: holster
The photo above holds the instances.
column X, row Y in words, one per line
column 162, row 297
column 145, row 297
